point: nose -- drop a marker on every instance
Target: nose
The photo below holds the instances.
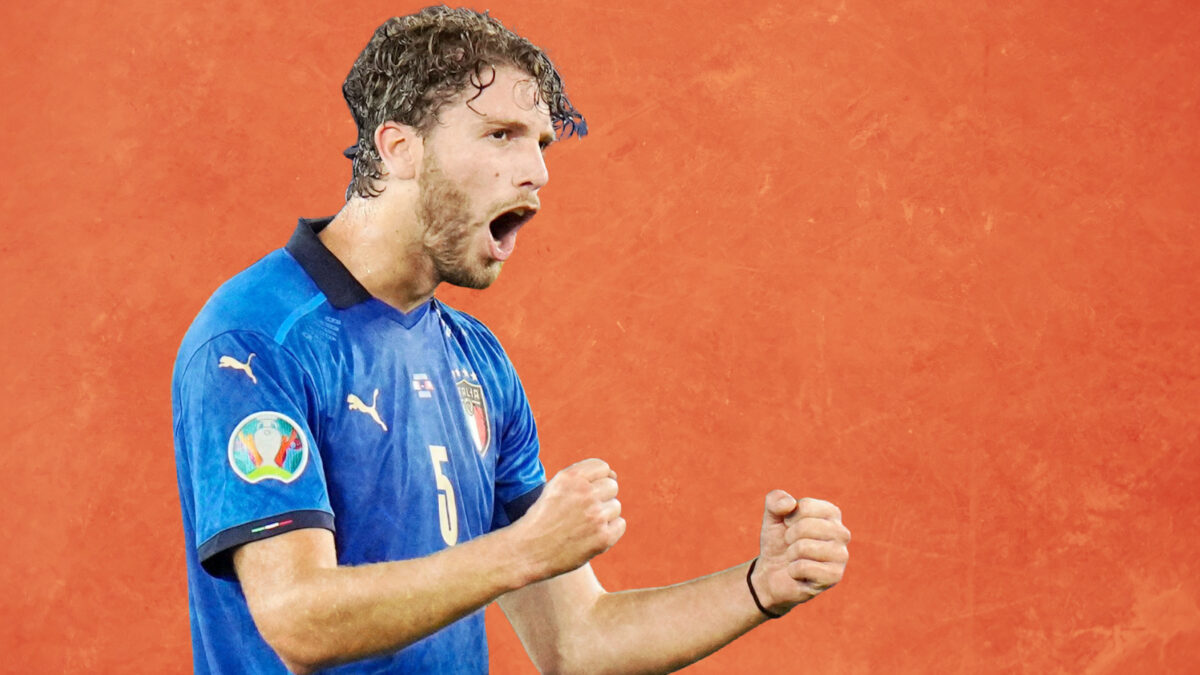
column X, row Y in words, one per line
column 532, row 173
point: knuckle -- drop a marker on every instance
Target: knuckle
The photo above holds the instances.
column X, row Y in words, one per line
column 604, row 486
column 833, row 572
column 791, row 534
column 800, row 549
column 805, row 528
column 595, row 518
column 797, row 569
column 793, row 550
column 616, row 531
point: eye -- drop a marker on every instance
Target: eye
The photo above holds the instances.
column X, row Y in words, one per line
column 500, row 134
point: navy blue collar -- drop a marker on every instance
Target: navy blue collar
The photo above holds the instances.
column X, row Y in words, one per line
column 331, row 276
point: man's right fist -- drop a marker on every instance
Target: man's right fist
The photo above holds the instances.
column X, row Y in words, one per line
column 576, row 518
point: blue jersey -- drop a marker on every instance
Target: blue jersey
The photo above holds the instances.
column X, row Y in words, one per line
column 301, row 401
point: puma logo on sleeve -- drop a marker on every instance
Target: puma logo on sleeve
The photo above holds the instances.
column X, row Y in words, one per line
column 230, row 362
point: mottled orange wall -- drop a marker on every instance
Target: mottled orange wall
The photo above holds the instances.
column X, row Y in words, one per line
column 931, row 260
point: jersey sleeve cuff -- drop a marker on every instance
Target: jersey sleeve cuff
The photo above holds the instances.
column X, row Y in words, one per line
column 517, row 507
column 216, row 554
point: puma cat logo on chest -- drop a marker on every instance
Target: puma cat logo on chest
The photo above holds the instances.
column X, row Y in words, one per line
column 357, row 404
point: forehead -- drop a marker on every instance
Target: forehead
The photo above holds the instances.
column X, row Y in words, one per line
column 511, row 96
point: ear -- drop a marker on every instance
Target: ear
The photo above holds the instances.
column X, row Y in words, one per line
column 400, row 149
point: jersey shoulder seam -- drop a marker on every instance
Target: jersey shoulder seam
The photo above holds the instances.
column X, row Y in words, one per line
column 249, row 331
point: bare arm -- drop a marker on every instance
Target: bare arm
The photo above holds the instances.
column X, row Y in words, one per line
column 569, row 624
column 315, row 614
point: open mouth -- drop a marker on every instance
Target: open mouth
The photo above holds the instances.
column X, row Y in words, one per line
column 510, row 221
column 504, row 230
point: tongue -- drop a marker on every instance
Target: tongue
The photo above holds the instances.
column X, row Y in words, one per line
column 503, row 247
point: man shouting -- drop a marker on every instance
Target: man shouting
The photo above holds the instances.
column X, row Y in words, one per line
column 358, row 465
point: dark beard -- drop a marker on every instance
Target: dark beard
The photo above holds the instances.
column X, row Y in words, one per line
column 445, row 215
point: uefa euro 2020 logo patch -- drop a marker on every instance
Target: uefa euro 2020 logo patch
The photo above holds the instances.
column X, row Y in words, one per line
column 268, row 446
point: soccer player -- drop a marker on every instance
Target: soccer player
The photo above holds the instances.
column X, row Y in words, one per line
column 358, row 466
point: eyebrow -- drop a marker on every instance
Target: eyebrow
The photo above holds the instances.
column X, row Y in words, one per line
column 547, row 137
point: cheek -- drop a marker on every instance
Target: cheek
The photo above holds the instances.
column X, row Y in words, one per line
column 478, row 175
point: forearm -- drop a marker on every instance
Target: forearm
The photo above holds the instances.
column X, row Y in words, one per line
column 337, row 614
column 662, row 629
column 569, row 624
column 315, row 614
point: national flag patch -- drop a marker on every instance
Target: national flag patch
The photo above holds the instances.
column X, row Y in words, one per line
column 422, row 385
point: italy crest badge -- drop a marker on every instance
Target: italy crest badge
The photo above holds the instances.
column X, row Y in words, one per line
column 268, row 446
column 474, row 408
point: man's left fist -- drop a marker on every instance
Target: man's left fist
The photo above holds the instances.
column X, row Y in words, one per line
column 802, row 551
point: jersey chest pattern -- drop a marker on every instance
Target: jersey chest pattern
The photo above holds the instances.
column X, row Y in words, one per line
column 407, row 468
column 402, row 434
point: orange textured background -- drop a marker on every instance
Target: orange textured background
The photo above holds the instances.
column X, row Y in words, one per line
column 934, row 261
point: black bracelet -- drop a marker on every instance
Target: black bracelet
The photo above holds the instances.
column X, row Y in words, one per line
column 755, row 595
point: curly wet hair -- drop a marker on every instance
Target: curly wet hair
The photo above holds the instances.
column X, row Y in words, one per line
column 416, row 64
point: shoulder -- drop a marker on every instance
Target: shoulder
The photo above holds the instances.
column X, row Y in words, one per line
column 260, row 298
column 263, row 300
column 461, row 320
column 466, row 327
column 488, row 359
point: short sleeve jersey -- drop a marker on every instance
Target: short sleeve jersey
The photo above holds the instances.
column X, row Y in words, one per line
column 300, row 401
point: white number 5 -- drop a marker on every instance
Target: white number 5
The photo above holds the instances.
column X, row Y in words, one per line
column 447, row 509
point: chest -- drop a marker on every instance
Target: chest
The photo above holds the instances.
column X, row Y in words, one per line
column 406, row 433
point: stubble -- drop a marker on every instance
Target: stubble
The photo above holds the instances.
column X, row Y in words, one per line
column 445, row 215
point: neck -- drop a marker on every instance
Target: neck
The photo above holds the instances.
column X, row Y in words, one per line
column 379, row 243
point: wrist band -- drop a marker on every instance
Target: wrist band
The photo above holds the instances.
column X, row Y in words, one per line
column 755, row 595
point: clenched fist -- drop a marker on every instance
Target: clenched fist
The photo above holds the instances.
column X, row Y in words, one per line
column 802, row 551
column 576, row 518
